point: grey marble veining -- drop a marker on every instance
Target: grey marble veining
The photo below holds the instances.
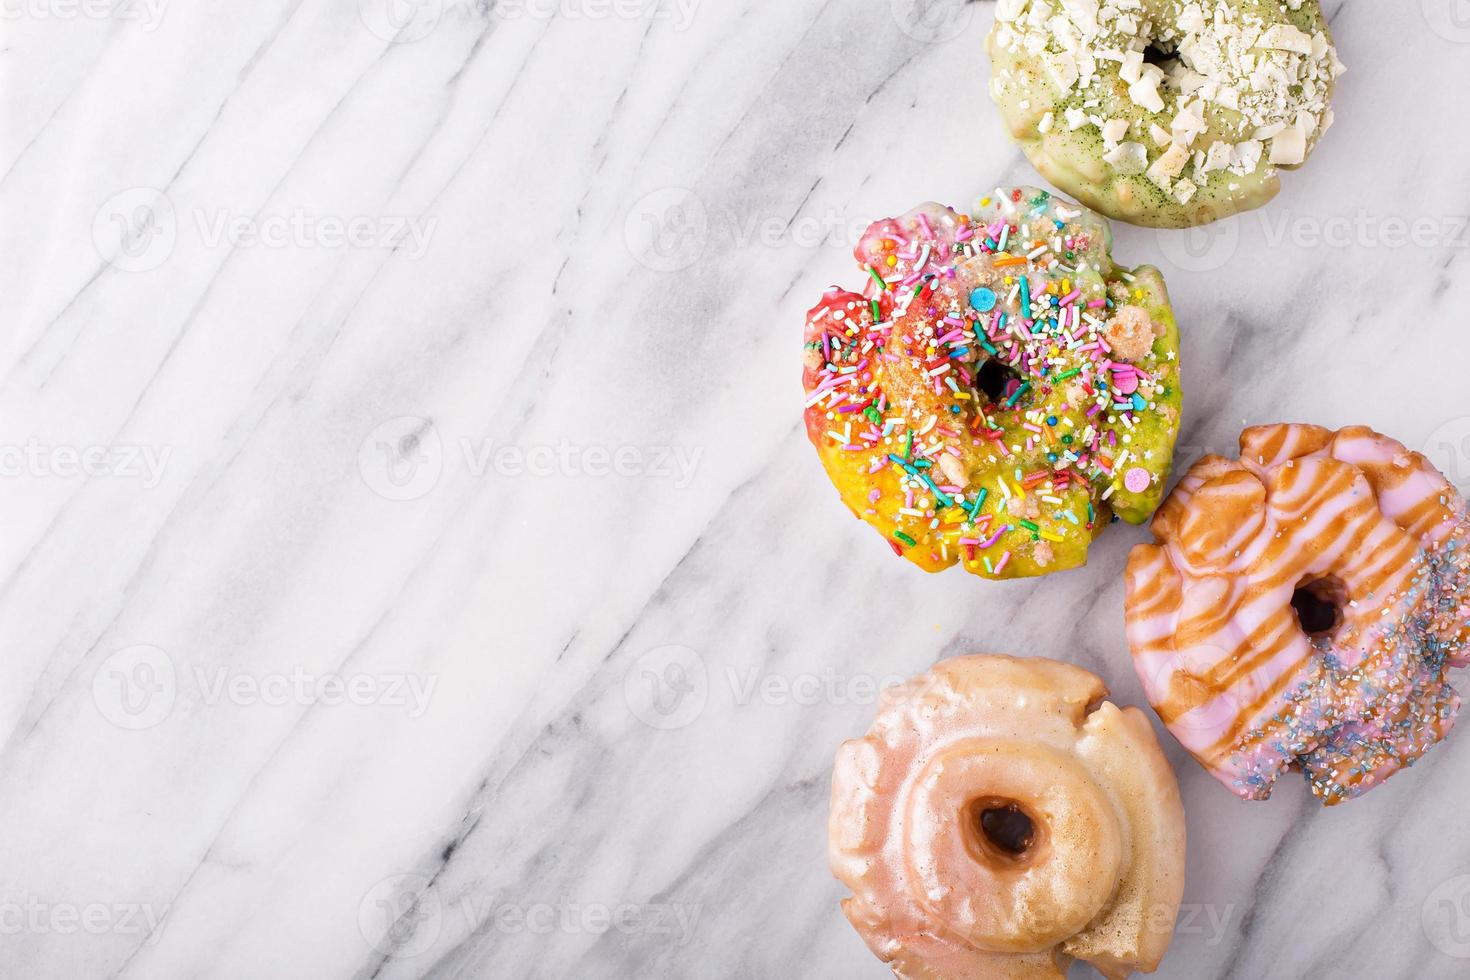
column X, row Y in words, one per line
column 413, row 565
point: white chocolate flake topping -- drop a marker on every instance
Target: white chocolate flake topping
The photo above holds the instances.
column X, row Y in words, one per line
column 1239, row 89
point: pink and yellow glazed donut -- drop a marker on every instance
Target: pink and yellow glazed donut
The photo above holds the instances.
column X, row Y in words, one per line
column 1301, row 607
column 999, row 390
column 1001, row 819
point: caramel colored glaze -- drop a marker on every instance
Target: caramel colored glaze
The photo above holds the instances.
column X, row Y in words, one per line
column 1100, row 873
column 1218, row 645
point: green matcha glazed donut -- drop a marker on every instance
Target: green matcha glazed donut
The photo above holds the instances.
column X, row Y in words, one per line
column 1162, row 112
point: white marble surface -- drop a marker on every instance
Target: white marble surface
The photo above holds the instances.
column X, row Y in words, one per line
column 335, row 571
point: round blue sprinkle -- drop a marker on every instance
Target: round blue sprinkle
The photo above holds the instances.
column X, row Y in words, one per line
column 1051, row 420
column 983, row 299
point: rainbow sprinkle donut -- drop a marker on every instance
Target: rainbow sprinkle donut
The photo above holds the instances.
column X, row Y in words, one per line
column 1301, row 609
column 1161, row 112
column 999, row 389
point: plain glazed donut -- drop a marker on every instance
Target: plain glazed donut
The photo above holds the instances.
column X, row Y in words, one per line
column 1001, row 819
column 1301, row 607
column 1169, row 113
column 1000, row 390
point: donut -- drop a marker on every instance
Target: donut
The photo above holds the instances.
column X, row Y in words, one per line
column 1300, row 609
column 999, row 389
column 1001, row 819
column 1160, row 112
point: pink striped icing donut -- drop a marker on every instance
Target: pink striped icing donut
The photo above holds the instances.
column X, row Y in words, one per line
column 1301, row 607
column 1001, row 819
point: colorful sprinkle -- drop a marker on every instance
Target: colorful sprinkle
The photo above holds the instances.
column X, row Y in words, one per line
column 1010, row 371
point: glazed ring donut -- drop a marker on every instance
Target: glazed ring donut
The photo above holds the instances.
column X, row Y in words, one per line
column 1001, row 819
column 1000, row 388
column 1163, row 112
column 1301, row 607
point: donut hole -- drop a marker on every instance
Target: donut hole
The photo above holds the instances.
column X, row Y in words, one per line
column 1008, row 828
column 1318, row 605
column 1159, row 53
column 996, row 380
column 1002, row 831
